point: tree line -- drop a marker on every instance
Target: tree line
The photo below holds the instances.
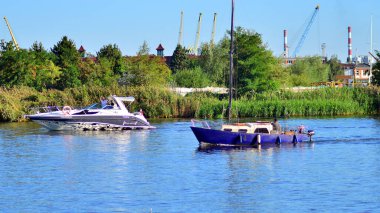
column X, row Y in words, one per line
column 63, row 67
column 256, row 68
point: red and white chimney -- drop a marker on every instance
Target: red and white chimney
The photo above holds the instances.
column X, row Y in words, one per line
column 349, row 59
column 286, row 50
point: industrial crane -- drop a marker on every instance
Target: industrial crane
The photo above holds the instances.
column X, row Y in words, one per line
column 377, row 59
column 213, row 30
column 198, row 33
column 300, row 43
column 10, row 31
column 180, row 30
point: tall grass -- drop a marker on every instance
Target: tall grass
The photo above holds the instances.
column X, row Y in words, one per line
column 162, row 103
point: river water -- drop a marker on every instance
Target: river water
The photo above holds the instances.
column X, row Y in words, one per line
column 164, row 170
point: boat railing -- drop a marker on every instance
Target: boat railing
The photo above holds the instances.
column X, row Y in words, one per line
column 37, row 110
column 301, row 129
column 204, row 124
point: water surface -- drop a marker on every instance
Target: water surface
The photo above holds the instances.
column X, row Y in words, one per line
column 164, row 170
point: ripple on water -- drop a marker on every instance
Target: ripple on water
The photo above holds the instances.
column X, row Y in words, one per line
column 164, row 170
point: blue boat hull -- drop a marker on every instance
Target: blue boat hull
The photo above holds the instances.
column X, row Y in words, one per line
column 225, row 138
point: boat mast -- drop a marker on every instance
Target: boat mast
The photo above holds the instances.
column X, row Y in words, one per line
column 231, row 63
column 370, row 57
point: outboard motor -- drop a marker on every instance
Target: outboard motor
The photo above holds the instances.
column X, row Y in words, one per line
column 310, row 133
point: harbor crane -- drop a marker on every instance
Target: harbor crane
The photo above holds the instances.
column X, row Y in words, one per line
column 302, row 40
column 213, row 30
column 376, row 58
column 180, row 30
column 10, row 31
column 198, row 34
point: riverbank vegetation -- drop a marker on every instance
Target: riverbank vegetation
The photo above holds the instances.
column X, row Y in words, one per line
column 160, row 102
column 65, row 76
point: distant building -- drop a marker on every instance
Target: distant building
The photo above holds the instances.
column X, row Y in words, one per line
column 84, row 54
column 160, row 50
column 362, row 59
column 289, row 61
column 355, row 73
column 82, row 51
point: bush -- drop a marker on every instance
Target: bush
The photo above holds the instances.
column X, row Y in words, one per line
column 191, row 78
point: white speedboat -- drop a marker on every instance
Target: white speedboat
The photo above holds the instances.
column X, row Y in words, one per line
column 94, row 117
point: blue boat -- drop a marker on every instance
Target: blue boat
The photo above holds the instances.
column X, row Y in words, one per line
column 246, row 134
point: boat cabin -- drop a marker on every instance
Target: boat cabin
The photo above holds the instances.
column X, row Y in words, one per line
column 256, row 127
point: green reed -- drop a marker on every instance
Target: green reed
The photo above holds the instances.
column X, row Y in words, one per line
column 162, row 103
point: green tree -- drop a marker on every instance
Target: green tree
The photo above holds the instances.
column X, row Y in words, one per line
column 69, row 78
column 15, row 66
column 281, row 74
column 113, row 54
column 335, row 68
column 144, row 49
column 146, row 71
column 376, row 71
column 214, row 62
column 32, row 67
column 255, row 64
column 40, row 53
column 67, row 58
column 66, row 53
column 309, row 70
column 96, row 73
column 180, row 59
column 45, row 73
column 7, row 46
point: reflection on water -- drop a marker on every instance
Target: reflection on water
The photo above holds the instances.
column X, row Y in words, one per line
column 209, row 148
column 167, row 171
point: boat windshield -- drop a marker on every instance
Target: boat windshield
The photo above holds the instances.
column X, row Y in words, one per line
column 94, row 106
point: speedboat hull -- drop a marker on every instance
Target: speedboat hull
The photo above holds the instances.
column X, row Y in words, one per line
column 226, row 138
column 91, row 122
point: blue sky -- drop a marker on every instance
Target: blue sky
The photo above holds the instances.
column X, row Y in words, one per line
column 94, row 23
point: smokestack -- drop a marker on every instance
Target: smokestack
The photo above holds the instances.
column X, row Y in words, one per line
column 286, row 50
column 349, row 59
